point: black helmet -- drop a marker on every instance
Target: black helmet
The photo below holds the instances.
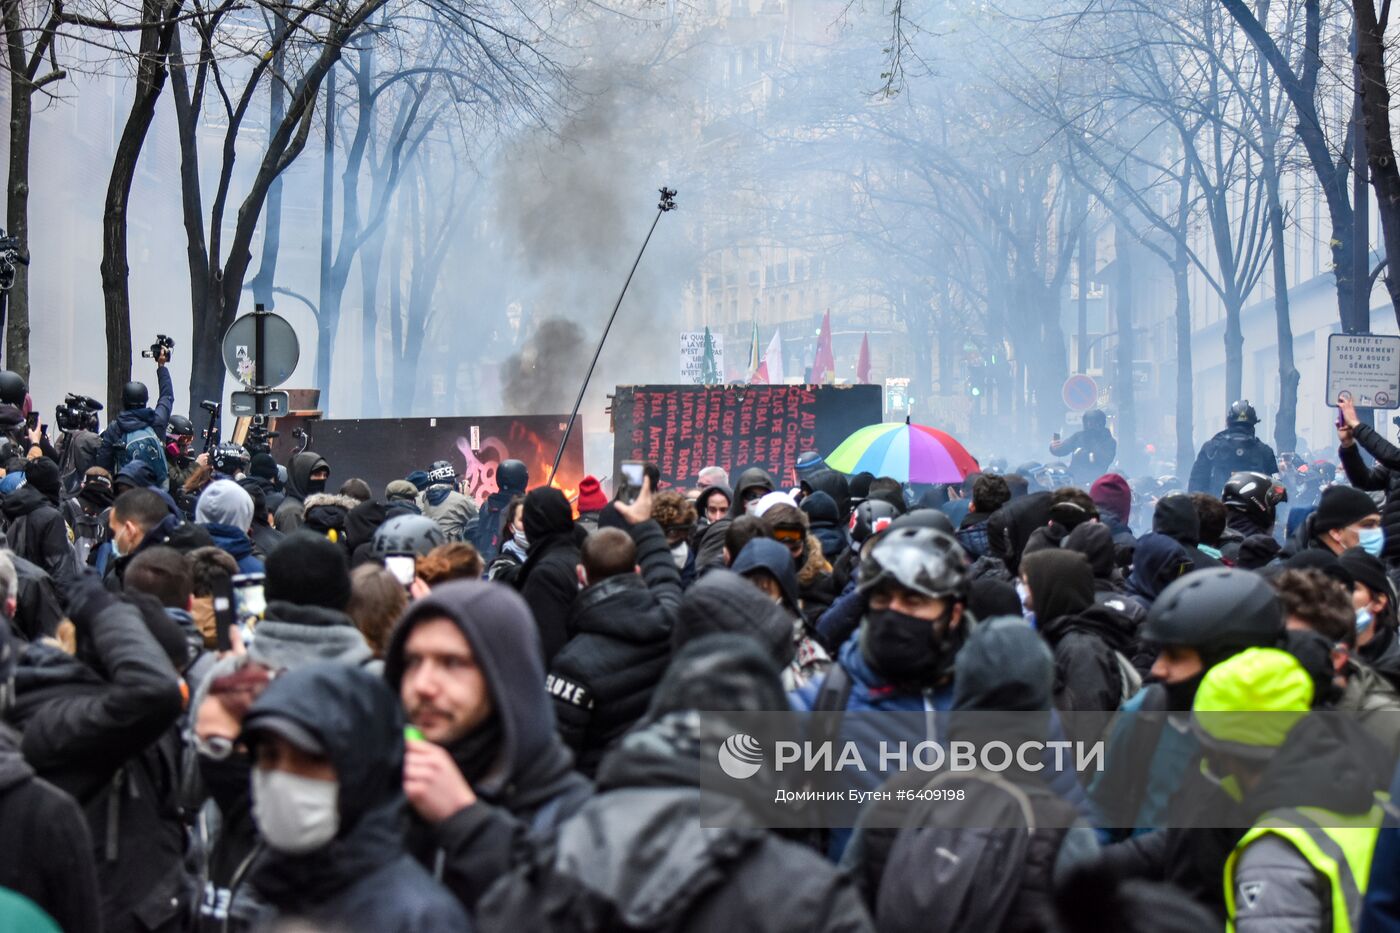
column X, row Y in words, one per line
column 406, row 534
column 230, row 458
column 135, row 395
column 1242, row 413
column 1255, row 495
column 180, row 426
column 1219, row 612
column 12, row 388
column 441, row 472
column 512, row 476
column 924, row 560
column 871, row 517
column 1095, row 419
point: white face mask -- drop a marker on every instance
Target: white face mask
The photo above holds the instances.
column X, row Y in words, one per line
column 521, row 541
column 680, row 554
column 295, row 814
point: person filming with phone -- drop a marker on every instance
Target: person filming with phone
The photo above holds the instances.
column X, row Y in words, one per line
column 1354, row 435
column 138, row 431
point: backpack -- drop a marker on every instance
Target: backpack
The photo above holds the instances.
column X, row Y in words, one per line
column 968, row 875
column 144, row 444
column 1132, row 680
column 89, row 531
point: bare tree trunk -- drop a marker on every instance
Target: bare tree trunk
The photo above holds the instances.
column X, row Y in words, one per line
column 1123, row 379
column 150, row 81
column 323, row 360
column 1082, row 364
column 1181, row 284
column 1380, row 150
column 17, row 206
column 262, row 283
column 371, row 261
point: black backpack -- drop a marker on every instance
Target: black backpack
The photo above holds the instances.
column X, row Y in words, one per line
column 960, row 867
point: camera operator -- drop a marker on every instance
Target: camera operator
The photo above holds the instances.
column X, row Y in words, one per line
column 139, row 431
column 180, row 458
column 78, row 440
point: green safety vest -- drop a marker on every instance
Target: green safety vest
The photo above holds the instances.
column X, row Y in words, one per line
column 1338, row 847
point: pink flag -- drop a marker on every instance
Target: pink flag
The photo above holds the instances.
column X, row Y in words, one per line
column 863, row 363
column 824, row 365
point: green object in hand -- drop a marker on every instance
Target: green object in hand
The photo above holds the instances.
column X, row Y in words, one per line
column 413, row 734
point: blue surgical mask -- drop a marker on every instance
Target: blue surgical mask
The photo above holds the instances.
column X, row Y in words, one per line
column 1372, row 540
column 1363, row 619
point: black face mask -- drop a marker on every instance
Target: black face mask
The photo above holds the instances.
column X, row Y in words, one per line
column 904, row 649
column 315, row 486
column 227, row 781
column 1181, row 696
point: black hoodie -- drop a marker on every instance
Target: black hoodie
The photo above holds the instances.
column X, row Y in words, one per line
column 362, row 881
column 288, row 516
column 1176, row 518
column 528, row 781
column 603, row 678
column 35, row 530
column 643, row 855
column 45, row 849
column 549, row 579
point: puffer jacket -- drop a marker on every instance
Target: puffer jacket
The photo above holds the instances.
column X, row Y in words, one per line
column 36, row 531
column 603, row 678
column 1383, row 477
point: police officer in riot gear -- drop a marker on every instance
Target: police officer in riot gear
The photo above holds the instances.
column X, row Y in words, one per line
column 1233, row 450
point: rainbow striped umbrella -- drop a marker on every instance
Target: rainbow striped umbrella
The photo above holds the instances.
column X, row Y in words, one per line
column 910, row 453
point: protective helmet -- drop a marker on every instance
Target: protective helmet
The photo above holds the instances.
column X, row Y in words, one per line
column 135, row 395
column 230, row 458
column 512, row 476
column 1242, row 413
column 924, row 560
column 406, row 534
column 1218, row 612
column 1255, row 495
column 441, row 472
column 1095, row 419
column 871, row 517
column 180, row 426
column 12, row 388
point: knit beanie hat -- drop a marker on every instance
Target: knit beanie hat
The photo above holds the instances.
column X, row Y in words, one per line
column 1339, row 507
column 308, row 570
column 590, row 495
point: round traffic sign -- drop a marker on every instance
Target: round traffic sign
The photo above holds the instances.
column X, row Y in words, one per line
column 1080, row 392
column 280, row 349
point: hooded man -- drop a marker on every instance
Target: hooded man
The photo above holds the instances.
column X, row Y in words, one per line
column 263, row 535
column 1177, row 518
column 138, row 432
column 512, row 478
column 328, row 752
column 603, row 678
column 1157, row 562
column 307, row 474
column 1090, row 641
column 754, row 483
column 444, row 504
column 549, row 580
column 46, row 850
column 1091, row 450
column 826, row 525
column 491, row 767
column 100, row 725
column 35, row 528
column 226, row 511
column 1114, row 498
column 646, row 851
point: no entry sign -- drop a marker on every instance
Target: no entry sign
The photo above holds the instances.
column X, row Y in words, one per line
column 1080, row 392
column 1366, row 367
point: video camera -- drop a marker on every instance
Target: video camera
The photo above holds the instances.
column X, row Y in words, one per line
column 77, row 413
column 213, row 433
column 11, row 252
column 162, row 343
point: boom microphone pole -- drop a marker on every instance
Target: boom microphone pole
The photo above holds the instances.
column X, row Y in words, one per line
column 668, row 203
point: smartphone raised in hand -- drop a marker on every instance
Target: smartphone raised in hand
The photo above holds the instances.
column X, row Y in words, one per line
column 404, row 567
column 633, row 475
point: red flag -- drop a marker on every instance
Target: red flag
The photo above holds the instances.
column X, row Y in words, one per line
column 824, row 365
column 863, row 363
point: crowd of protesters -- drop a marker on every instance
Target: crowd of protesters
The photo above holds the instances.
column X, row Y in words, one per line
column 439, row 714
